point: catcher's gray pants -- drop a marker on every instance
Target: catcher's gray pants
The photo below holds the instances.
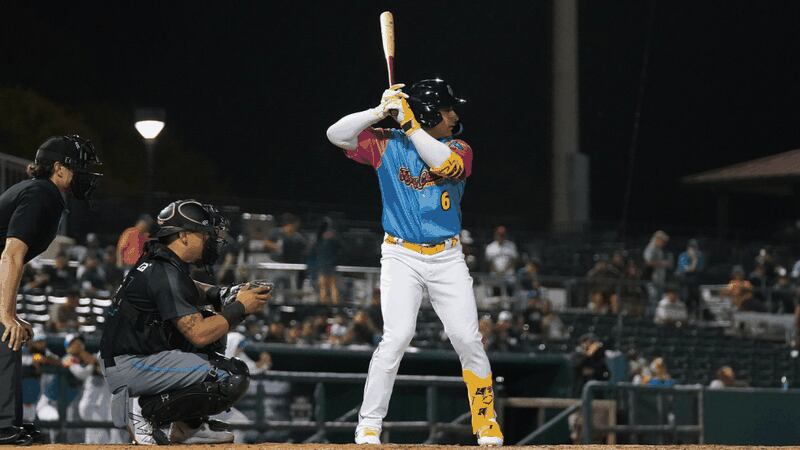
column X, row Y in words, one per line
column 137, row 375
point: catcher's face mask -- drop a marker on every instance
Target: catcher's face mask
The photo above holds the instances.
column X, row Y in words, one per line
column 191, row 215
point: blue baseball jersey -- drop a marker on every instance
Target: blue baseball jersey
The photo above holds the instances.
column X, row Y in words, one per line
column 420, row 204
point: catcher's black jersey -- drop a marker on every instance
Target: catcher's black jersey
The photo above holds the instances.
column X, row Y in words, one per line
column 157, row 291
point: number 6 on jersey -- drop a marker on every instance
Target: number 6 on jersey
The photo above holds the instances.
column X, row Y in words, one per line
column 445, row 201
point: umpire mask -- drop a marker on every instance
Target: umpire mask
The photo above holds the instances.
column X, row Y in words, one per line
column 191, row 215
column 77, row 154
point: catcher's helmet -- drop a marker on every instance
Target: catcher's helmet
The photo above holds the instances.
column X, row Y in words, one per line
column 190, row 215
column 427, row 96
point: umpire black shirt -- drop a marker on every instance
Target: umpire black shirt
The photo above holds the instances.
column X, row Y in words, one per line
column 161, row 290
column 31, row 212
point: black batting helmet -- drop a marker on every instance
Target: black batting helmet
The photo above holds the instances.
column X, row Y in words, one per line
column 427, row 96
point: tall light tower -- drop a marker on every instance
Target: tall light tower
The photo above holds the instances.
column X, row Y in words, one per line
column 149, row 123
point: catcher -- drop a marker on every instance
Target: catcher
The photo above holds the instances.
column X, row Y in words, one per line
column 161, row 345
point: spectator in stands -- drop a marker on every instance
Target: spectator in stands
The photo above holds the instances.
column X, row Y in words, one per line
column 533, row 314
column 486, row 329
column 374, row 309
column 766, row 258
column 109, row 265
column 92, row 247
column 81, row 365
column 501, row 256
column 505, row 339
column 528, row 278
column 470, row 254
column 91, row 276
column 602, row 281
column 286, row 243
column 659, row 375
column 64, row 317
column 308, row 335
column 60, row 277
column 322, row 261
column 691, row 264
column 34, row 280
column 619, row 260
column 276, row 333
column 235, row 348
column 760, row 281
column 226, row 273
column 671, row 310
column 657, row 262
column 131, row 242
column 740, row 291
column 796, row 270
column 338, row 330
column 631, row 294
column 726, row 378
column 35, row 356
column 784, row 293
column 293, row 333
column 361, row 331
column 552, row 326
column 637, row 365
column 589, row 362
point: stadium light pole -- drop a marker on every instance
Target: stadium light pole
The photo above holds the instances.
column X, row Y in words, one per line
column 149, row 123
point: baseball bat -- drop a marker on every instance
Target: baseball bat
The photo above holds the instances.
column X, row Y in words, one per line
column 387, row 35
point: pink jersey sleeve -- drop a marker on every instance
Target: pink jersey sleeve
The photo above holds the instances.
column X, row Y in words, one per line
column 372, row 143
column 463, row 150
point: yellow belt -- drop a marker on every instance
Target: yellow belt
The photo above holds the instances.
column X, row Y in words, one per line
column 425, row 249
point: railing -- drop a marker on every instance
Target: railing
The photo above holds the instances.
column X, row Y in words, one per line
column 321, row 423
column 568, row 405
column 13, row 169
column 667, row 427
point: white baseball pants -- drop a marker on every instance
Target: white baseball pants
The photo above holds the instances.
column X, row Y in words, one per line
column 404, row 275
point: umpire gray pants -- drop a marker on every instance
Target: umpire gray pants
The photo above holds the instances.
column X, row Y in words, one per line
column 137, row 375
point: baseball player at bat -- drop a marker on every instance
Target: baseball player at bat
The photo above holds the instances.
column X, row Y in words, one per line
column 422, row 171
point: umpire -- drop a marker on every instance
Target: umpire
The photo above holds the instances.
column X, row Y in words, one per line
column 161, row 344
column 30, row 213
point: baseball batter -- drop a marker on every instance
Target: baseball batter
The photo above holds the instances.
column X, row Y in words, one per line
column 422, row 171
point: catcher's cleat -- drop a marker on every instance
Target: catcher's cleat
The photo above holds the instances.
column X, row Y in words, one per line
column 145, row 433
column 368, row 435
column 183, row 433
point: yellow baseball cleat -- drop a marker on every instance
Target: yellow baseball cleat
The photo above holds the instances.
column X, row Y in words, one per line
column 490, row 435
column 481, row 404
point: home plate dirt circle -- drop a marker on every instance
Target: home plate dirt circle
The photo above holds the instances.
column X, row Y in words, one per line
column 398, row 446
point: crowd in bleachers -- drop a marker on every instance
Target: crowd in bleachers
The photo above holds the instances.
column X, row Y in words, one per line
column 644, row 287
column 642, row 305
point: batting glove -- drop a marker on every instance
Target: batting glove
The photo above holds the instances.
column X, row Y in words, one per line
column 405, row 116
column 388, row 101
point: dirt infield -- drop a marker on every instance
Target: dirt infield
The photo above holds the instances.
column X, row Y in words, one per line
column 416, row 447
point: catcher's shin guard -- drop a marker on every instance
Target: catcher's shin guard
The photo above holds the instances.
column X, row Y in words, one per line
column 212, row 396
column 481, row 404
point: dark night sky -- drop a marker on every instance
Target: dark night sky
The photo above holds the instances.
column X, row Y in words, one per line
column 254, row 85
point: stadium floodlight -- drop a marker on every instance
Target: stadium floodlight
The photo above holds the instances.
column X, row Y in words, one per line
column 149, row 122
column 149, row 129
